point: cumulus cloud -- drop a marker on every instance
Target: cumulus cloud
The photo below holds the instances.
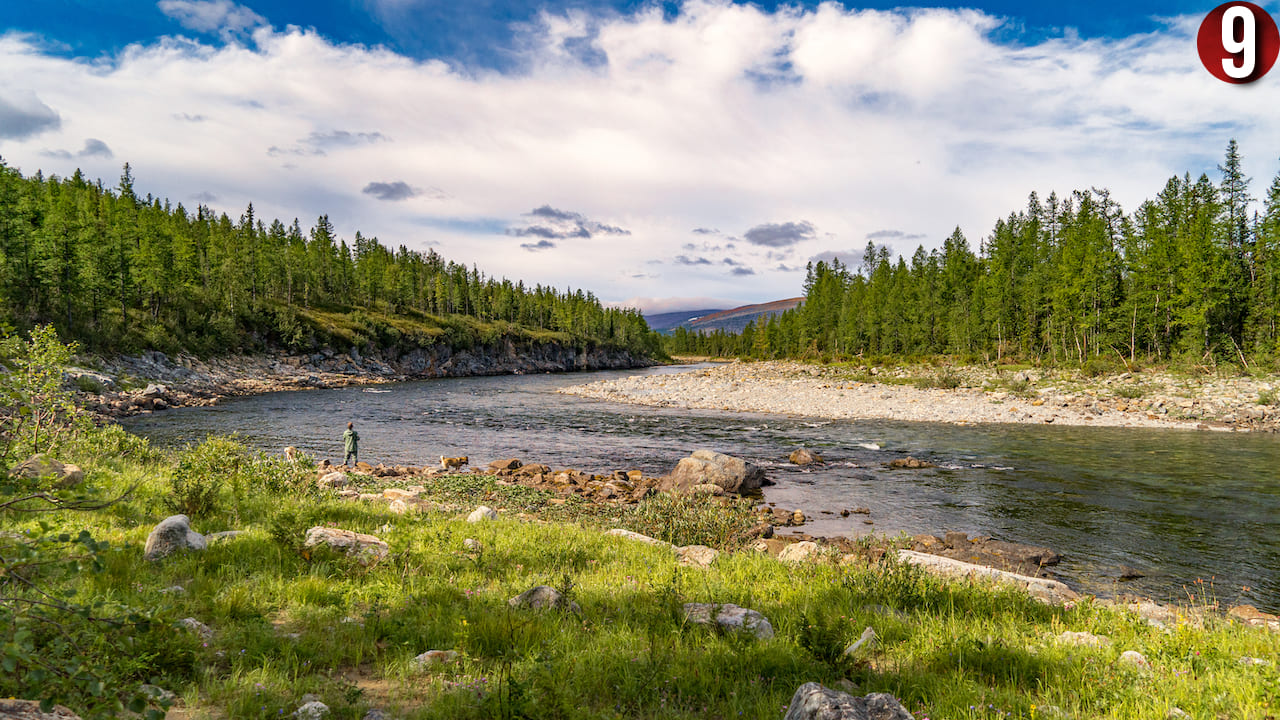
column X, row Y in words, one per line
column 894, row 235
column 851, row 258
column 548, row 222
column 740, row 271
column 540, row 245
column 93, row 147
column 826, row 119
column 398, row 190
column 220, row 17
column 705, row 231
column 780, row 235
column 686, row 260
column 25, row 116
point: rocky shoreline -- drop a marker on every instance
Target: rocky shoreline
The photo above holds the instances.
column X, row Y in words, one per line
column 122, row 386
column 960, row 395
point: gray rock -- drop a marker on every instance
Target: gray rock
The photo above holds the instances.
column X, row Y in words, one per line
column 314, row 710
column 1253, row 661
column 706, row 467
column 172, row 534
column 696, row 555
column 1134, row 658
column 334, row 480
column 1085, row 639
column 1176, row 713
column 543, row 597
column 804, row 456
column 812, row 701
column 11, row 709
column 730, row 618
column 224, row 535
column 482, row 514
column 1043, row 589
column 39, row 466
column 377, row 714
column 629, row 535
column 158, row 694
column 473, row 545
column 803, row 551
column 365, row 549
column 867, row 640
column 196, row 627
column 435, row 657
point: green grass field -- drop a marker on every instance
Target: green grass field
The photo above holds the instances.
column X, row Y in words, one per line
column 285, row 624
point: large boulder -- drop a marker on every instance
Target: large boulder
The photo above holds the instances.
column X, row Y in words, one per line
column 815, row 702
column 42, row 466
column 174, row 533
column 705, row 467
column 11, row 709
column 365, row 549
column 729, row 618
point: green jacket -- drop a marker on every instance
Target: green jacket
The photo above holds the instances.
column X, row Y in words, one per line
column 352, row 439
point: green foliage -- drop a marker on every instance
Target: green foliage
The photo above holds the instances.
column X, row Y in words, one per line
column 1268, row 397
column 1066, row 280
column 943, row 380
column 1130, row 392
column 121, row 274
column 691, row 519
column 37, row 414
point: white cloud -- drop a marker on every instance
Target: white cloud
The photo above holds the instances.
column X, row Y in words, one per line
column 724, row 117
column 222, row 17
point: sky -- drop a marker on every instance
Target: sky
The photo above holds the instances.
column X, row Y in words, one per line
column 665, row 155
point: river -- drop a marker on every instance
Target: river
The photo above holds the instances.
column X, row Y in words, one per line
column 1196, row 512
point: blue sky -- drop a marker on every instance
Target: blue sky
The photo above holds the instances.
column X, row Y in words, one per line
column 666, row 154
column 476, row 32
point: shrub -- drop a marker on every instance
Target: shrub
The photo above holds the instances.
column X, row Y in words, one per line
column 691, row 519
column 944, row 380
column 1130, row 392
column 1268, row 397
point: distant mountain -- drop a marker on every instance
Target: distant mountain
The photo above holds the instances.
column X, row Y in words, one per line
column 733, row 321
column 665, row 322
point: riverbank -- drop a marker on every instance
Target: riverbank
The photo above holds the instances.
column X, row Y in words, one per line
column 960, row 395
column 415, row 611
column 122, row 386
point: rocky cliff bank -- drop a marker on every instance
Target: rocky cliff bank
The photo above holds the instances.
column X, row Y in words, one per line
column 129, row 385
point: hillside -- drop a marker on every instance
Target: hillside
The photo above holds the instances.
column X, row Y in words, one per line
column 666, row 322
column 120, row 274
column 735, row 319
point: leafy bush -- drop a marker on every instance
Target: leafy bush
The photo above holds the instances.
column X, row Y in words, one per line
column 201, row 471
column 1097, row 366
column 691, row 519
column 1130, row 392
column 943, row 380
column 1268, row 397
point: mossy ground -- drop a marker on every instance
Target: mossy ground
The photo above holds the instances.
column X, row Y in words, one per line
column 285, row 624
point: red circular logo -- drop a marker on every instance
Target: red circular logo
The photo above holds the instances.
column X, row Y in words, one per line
column 1238, row 42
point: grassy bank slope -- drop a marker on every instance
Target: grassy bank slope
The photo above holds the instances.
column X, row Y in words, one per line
column 286, row 622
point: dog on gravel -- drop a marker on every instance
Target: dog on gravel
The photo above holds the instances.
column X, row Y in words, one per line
column 452, row 463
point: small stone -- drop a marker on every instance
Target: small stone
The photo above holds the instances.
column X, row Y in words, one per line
column 435, row 657
column 629, row 535
column 174, row 590
column 158, row 694
column 30, row 710
column 334, row 480
column 172, row 534
column 804, row 456
column 399, row 507
column 1254, row 661
column 909, row 463
column 1176, row 713
column 365, row 549
column 482, row 514
column 1134, row 658
column 696, row 555
column 868, row 640
column 1085, row 639
column 800, row 552
column 196, row 627
column 309, row 698
column 730, row 618
column 314, row 710
column 543, row 597
column 376, row 714
column 812, row 701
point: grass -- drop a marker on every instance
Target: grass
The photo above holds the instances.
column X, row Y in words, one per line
column 285, row 625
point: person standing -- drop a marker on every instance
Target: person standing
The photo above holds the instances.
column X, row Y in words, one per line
column 351, row 439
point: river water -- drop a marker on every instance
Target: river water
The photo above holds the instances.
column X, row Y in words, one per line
column 1197, row 512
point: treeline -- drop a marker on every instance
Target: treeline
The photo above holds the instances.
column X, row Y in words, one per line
column 119, row 272
column 1190, row 274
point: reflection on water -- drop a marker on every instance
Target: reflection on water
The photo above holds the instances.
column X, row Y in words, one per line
column 1177, row 505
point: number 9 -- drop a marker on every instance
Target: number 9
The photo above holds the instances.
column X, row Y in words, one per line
column 1246, row 48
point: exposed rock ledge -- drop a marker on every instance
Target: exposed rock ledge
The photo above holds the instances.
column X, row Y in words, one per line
column 185, row 380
